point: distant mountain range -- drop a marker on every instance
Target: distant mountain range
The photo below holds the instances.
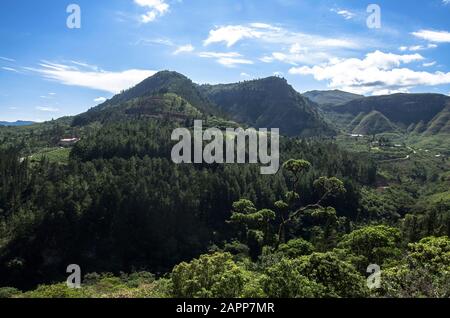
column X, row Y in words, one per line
column 16, row 123
column 331, row 98
column 427, row 114
column 265, row 103
column 273, row 103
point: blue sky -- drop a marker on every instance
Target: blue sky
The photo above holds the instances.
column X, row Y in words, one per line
column 48, row 70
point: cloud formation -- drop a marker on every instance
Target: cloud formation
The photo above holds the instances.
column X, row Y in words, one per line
column 429, row 64
column 296, row 55
column 347, row 15
column 91, row 76
column 433, row 36
column 378, row 73
column 100, row 100
column 229, row 59
column 415, row 48
column 10, row 69
column 232, row 34
column 184, row 49
column 7, row 59
column 156, row 8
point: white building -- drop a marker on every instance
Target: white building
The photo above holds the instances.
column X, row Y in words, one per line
column 68, row 142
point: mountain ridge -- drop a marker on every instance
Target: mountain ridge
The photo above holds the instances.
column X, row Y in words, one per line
column 399, row 108
column 265, row 103
column 269, row 102
column 331, row 98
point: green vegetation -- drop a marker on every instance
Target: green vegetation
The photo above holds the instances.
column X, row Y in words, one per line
column 54, row 155
column 141, row 226
column 373, row 123
column 399, row 108
column 269, row 102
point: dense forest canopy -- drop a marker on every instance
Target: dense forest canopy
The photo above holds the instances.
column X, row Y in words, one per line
column 141, row 226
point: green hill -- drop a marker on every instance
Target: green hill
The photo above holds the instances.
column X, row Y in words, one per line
column 269, row 103
column 440, row 124
column 159, row 106
column 355, row 122
column 168, row 82
column 374, row 123
column 157, row 85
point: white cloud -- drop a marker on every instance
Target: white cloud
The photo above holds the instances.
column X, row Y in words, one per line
column 232, row 34
column 433, row 36
column 429, row 64
column 184, row 49
column 295, row 55
column 156, row 8
column 347, row 15
column 6, row 59
column 48, row 96
column 292, row 47
column 377, row 73
column 47, row 109
column 157, row 41
column 243, row 74
column 74, row 75
column 416, row 48
column 100, row 99
column 229, row 59
column 446, row 2
column 10, row 69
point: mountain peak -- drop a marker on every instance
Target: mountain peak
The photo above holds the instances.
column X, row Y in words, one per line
column 168, row 74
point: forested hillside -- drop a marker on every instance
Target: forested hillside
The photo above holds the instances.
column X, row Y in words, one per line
column 159, row 84
column 141, row 226
column 373, row 123
column 269, row 102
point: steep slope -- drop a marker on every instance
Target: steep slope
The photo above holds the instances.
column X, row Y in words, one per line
column 269, row 103
column 331, row 98
column 440, row 124
column 156, row 85
column 160, row 106
column 403, row 109
column 168, row 82
column 374, row 123
column 356, row 121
